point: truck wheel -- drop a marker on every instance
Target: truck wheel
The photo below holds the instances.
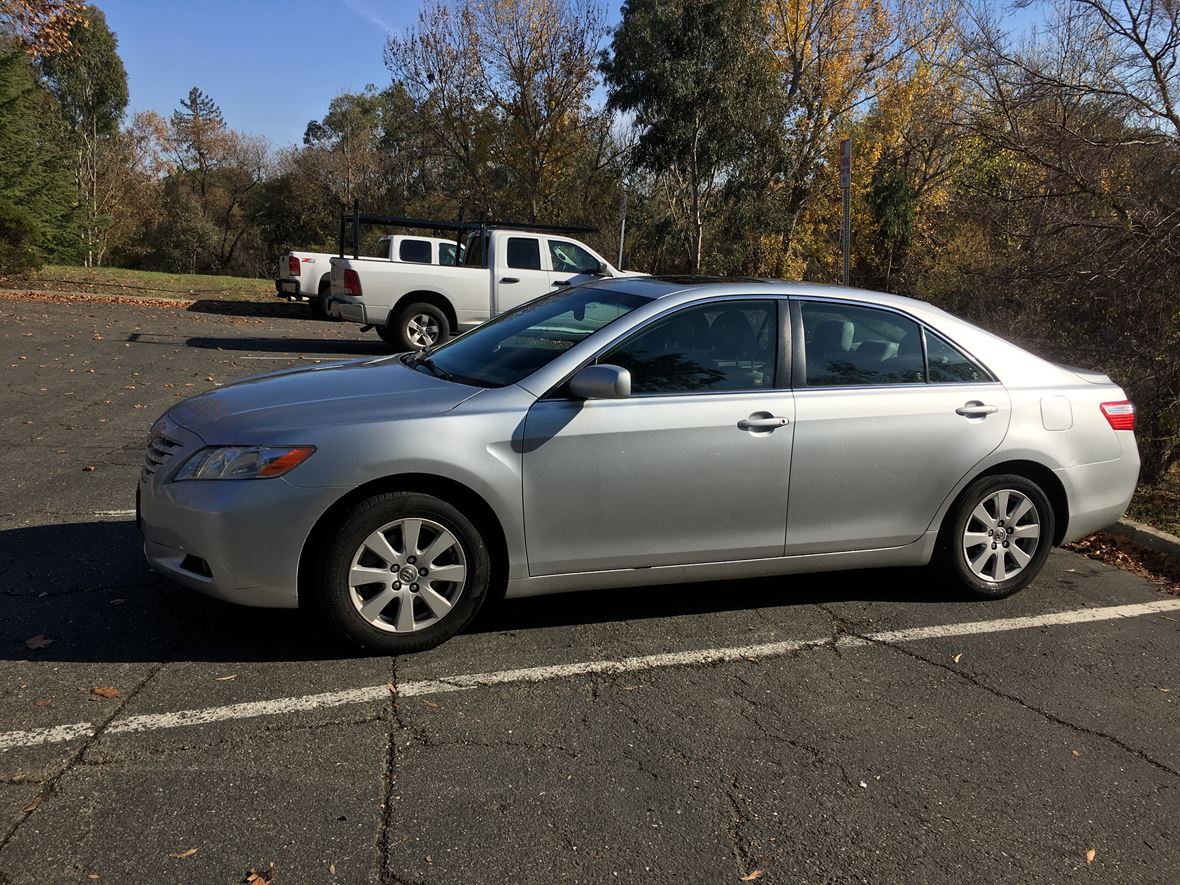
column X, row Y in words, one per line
column 416, row 327
column 404, row 572
column 319, row 302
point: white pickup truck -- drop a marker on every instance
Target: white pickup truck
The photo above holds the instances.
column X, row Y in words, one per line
column 417, row 306
column 306, row 276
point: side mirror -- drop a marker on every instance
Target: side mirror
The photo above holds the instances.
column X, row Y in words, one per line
column 601, row 382
column 603, row 269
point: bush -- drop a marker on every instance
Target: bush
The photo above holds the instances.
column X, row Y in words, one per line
column 18, row 234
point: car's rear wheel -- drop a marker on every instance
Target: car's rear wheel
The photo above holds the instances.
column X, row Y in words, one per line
column 416, row 327
column 997, row 536
column 405, row 572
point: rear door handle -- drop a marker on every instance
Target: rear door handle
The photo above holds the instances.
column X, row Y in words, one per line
column 509, row 279
column 761, row 423
column 976, row 410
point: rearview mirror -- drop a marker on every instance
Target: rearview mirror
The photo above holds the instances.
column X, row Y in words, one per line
column 601, row 382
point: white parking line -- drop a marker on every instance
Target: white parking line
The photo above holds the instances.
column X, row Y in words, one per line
column 130, row 512
column 369, row 694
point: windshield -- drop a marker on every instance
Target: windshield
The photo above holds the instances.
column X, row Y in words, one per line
column 517, row 343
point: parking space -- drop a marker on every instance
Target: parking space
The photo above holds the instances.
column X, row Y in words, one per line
column 860, row 726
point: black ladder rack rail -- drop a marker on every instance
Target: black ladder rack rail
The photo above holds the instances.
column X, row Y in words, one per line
column 356, row 218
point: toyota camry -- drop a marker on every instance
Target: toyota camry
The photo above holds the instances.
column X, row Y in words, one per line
column 635, row 433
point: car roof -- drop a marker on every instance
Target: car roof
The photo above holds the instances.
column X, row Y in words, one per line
column 701, row 286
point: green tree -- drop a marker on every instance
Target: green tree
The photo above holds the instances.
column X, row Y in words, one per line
column 90, row 84
column 690, row 75
column 34, row 171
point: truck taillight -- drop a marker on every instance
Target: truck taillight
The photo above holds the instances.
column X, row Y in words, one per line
column 352, row 283
column 1120, row 415
column 293, row 266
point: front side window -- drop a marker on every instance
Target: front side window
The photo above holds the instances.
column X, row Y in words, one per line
column 417, row 251
column 727, row 345
column 949, row 365
column 519, row 342
column 849, row 345
column 446, row 253
column 569, row 257
column 524, row 253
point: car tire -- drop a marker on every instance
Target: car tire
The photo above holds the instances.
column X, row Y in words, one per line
column 372, row 616
column 319, row 302
column 992, row 544
column 416, row 327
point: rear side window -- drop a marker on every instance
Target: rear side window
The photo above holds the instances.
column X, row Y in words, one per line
column 417, row 251
column 720, row 346
column 524, row 253
column 849, row 346
column 948, row 364
column 446, row 253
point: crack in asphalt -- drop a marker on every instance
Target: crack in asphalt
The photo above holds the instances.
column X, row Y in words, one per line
column 383, row 874
column 1051, row 717
column 49, row 787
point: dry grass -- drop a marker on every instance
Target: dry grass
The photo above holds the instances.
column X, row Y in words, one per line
column 140, row 284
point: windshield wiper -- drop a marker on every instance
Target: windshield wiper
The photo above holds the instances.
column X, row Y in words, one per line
column 425, row 359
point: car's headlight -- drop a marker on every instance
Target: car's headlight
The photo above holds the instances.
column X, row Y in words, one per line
column 243, row 462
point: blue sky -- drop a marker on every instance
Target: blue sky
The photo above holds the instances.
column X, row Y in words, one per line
column 272, row 65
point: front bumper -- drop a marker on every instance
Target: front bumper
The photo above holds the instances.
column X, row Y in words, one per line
column 237, row 540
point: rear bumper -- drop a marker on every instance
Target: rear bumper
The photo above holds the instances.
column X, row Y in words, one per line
column 1099, row 493
column 234, row 540
column 349, row 311
column 288, row 289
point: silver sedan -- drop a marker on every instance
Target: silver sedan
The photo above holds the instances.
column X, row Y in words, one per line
column 633, row 433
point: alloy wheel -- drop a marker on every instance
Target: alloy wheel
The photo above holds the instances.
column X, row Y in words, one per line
column 407, row 575
column 423, row 330
column 1001, row 535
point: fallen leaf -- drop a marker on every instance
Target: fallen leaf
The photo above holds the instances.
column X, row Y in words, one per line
column 230, row 678
column 34, row 805
column 757, row 874
column 43, row 702
column 958, row 657
column 430, row 858
column 332, row 868
column 38, row 641
column 106, row 691
column 431, row 704
column 183, row 854
column 256, row 878
column 1090, row 855
column 1076, row 753
column 118, row 601
column 88, row 469
column 392, row 688
column 93, row 875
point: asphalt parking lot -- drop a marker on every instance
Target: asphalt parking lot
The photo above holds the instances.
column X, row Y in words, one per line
column 838, row 728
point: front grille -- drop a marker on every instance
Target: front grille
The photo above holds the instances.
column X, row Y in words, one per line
column 159, row 449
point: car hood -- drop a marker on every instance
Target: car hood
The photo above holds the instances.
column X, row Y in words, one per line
column 256, row 409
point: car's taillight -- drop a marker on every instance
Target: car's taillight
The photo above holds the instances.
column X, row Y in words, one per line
column 1120, row 415
column 352, row 283
column 293, row 266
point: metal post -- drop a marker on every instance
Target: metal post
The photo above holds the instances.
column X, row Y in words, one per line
column 342, row 214
column 622, row 230
column 356, row 229
column 846, row 187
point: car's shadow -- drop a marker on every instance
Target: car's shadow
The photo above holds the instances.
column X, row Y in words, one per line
column 85, row 588
column 277, row 309
column 328, row 346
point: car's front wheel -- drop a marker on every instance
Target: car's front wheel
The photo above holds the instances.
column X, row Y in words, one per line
column 997, row 536
column 405, row 572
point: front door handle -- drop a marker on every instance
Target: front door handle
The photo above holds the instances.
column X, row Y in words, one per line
column 561, row 282
column 976, row 409
column 761, row 422
column 509, row 279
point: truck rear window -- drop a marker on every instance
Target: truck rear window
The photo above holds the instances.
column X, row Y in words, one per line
column 417, row 251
